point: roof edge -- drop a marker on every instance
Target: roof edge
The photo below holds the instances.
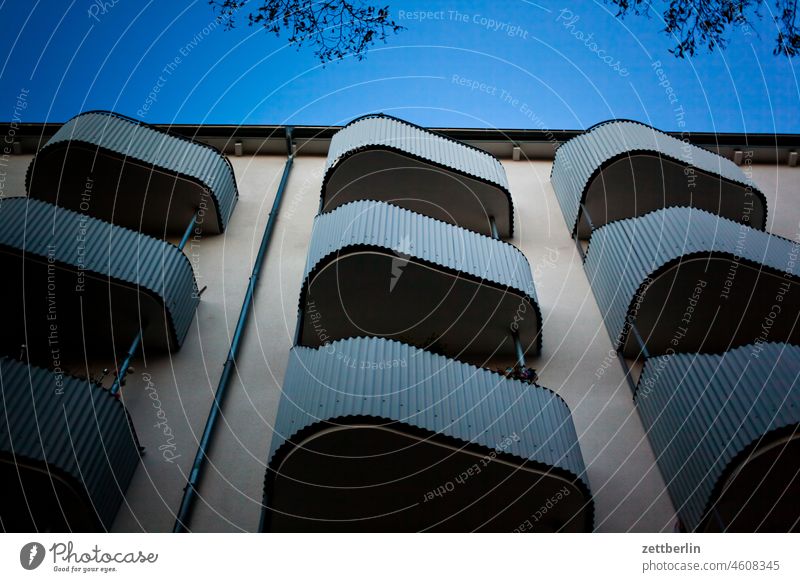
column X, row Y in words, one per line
column 534, row 143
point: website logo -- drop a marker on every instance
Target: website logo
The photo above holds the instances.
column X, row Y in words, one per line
column 31, row 555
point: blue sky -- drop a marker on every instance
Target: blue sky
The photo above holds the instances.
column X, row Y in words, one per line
column 507, row 64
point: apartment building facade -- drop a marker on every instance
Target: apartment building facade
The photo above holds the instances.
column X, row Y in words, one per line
column 597, row 333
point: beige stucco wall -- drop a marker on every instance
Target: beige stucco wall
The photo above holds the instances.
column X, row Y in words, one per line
column 781, row 186
column 174, row 393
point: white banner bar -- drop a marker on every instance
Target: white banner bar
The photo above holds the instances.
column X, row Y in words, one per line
column 408, row 558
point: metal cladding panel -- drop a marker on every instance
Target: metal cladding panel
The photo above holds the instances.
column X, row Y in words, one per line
column 430, row 392
column 623, row 255
column 408, row 234
column 381, row 130
column 83, row 432
column 701, row 411
column 141, row 142
column 579, row 158
column 43, row 230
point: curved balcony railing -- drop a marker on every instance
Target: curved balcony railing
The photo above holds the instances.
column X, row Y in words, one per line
column 384, row 158
column 623, row 169
column 725, row 431
column 77, row 284
column 375, row 435
column 134, row 175
column 375, row 269
column 67, row 451
column 684, row 280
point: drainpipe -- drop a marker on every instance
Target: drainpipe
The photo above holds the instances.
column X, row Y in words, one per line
column 190, row 491
column 514, row 335
column 126, row 363
column 643, row 353
column 122, row 371
column 584, row 217
column 518, row 349
column 188, row 231
column 493, row 224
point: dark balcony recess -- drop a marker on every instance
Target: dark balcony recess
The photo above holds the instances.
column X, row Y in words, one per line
column 134, row 175
column 375, row 435
column 378, row 270
column 384, row 158
column 685, row 280
column 623, row 169
column 67, row 451
column 725, row 431
column 80, row 287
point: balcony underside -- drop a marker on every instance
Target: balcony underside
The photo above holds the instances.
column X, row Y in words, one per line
column 710, row 304
column 636, row 183
column 361, row 292
column 37, row 497
column 760, row 494
column 622, row 169
column 44, row 312
column 348, row 476
column 129, row 173
column 123, row 191
column 689, row 281
column 67, row 451
column 388, row 175
column 80, row 287
column 375, row 435
column 724, row 429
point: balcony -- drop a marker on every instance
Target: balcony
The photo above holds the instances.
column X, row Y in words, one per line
column 376, row 435
column 684, row 280
column 724, row 429
column 67, row 451
column 387, row 159
column 624, row 169
column 78, row 286
column 375, row 269
column 133, row 175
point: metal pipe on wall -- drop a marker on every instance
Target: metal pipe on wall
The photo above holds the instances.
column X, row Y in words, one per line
column 495, row 232
column 183, row 517
column 122, row 371
column 518, row 349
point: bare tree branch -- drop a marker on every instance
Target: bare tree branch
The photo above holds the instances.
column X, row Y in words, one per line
column 698, row 24
column 335, row 28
